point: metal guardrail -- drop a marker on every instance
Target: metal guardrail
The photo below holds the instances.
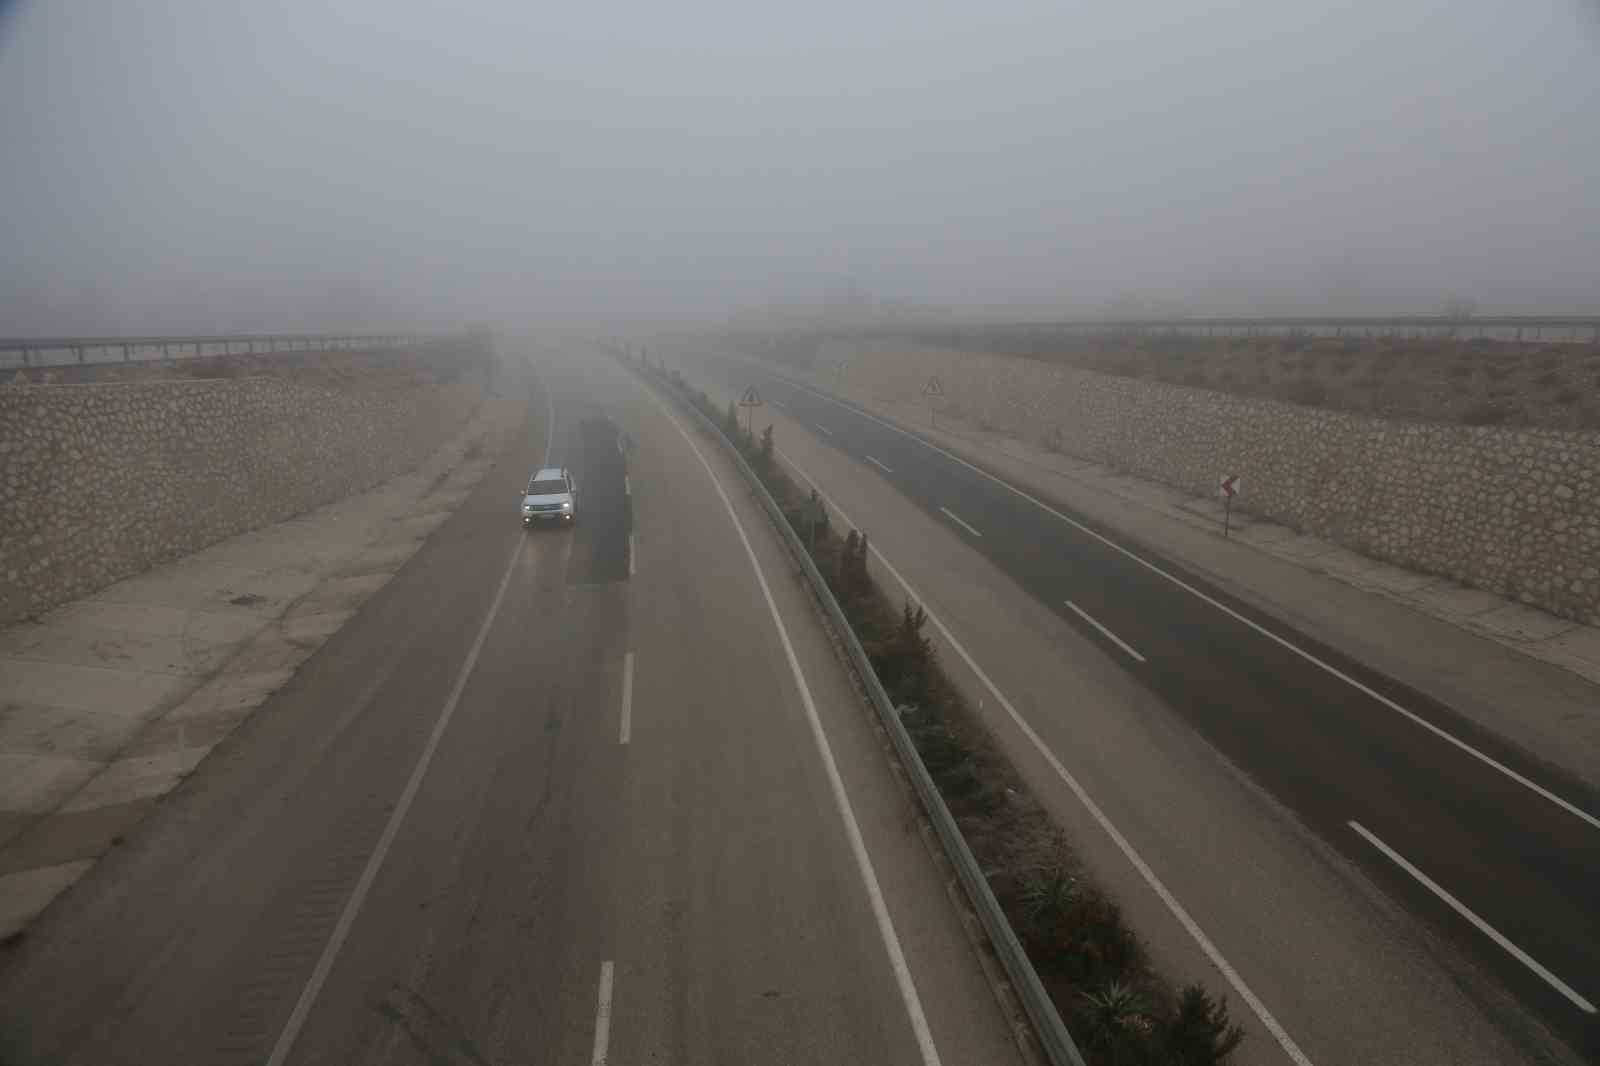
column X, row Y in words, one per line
column 1052, row 1034
column 72, row 351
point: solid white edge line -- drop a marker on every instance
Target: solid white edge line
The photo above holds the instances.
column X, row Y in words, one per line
column 879, row 465
column 352, row 906
column 1487, row 760
column 627, row 696
column 602, row 1016
column 958, row 521
column 869, row 876
column 1482, row 926
column 1112, row 637
column 1176, row 909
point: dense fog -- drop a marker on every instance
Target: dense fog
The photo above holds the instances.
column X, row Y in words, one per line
column 189, row 165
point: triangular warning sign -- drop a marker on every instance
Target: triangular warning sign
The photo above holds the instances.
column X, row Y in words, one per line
column 935, row 387
column 750, row 398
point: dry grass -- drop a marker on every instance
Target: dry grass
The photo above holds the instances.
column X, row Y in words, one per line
column 1554, row 386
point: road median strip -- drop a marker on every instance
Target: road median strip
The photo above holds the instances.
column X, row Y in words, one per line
column 1061, row 941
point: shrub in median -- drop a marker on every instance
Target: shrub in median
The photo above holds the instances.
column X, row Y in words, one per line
column 1120, row 1011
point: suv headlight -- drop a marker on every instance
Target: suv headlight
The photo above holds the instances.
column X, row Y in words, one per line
column 566, row 505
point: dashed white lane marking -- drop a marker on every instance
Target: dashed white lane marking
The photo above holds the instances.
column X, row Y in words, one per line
column 879, row 465
column 1112, row 637
column 633, row 555
column 957, row 519
column 550, row 427
column 602, row 1017
column 826, row 430
column 1482, row 926
column 627, row 485
column 352, row 907
column 1448, row 738
column 627, row 696
column 841, row 799
column 1176, row 909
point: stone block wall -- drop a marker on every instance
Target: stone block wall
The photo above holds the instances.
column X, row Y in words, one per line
column 1513, row 511
column 102, row 481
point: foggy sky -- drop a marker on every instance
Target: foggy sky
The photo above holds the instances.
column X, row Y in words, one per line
column 192, row 165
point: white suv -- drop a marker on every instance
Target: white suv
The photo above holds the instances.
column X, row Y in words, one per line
column 552, row 496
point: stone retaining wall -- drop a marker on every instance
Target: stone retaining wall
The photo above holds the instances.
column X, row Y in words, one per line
column 99, row 482
column 1513, row 511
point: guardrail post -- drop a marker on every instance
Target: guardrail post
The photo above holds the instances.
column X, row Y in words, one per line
column 77, row 350
column 126, row 357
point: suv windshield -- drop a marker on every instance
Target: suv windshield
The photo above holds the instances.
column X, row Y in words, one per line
column 546, row 488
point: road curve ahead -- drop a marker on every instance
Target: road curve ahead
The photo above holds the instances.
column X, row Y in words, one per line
column 1489, row 846
column 555, row 796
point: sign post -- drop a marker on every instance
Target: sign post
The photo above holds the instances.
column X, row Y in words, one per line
column 750, row 401
column 1231, row 484
column 934, row 388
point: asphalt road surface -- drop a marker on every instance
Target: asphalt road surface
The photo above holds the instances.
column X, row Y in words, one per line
column 554, row 796
column 1488, row 845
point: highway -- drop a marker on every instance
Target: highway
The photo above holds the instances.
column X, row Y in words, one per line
column 589, row 795
column 1494, row 851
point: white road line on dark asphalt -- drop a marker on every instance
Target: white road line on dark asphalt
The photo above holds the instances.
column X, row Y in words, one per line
column 550, row 425
column 826, row 430
column 879, row 465
column 841, row 799
column 627, row 486
column 369, row 874
column 957, row 520
column 352, row 907
column 1462, row 745
column 1482, row 926
column 1176, row 909
column 779, row 406
column 602, row 1017
column 633, row 555
column 627, row 696
column 1112, row 637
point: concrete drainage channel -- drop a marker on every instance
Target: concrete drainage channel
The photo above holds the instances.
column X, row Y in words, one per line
column 1053, row 1039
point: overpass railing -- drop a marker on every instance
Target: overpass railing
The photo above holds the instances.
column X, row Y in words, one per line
column 72, row 351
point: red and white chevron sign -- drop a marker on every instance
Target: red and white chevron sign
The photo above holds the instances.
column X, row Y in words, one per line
column 1231, row 485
